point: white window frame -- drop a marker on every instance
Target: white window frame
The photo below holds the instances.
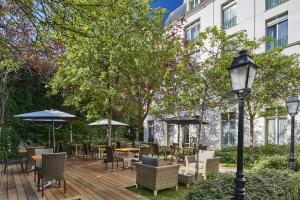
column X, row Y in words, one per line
column 276, row 21
column 188, row 28
column 194, row 3
column 225, row 7
column 276, row 118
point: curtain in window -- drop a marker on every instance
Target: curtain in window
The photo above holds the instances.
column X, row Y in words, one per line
column 228, row 132
column 271, row 130
column 170, row 134
column 282, row 33
column 281, row 131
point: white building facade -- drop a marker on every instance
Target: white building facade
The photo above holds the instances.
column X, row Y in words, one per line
column 277, row 18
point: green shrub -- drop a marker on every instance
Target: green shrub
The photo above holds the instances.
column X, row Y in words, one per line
column 272, row 162
column 260, row 185
column 228, row 155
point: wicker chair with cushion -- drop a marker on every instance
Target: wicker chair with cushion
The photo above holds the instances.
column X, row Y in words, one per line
column 112, row 158
column 38, row 163
column 53, row 168
column 208, row 163
column 144, row 151
column 154, row 177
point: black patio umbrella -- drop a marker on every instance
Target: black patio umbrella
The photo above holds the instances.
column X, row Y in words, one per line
column 183, row 120
column 47, row 116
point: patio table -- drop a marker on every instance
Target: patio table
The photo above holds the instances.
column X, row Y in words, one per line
column 36, row 157
column 124, row 150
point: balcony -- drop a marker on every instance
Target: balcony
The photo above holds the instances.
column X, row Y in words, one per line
column 273, row 3
column 229, row 23
column 283, row 40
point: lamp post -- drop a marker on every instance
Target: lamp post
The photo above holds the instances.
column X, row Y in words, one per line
column 242, row 73
column 293, row 106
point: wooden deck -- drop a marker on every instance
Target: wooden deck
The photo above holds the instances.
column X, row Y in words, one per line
column 85, row 180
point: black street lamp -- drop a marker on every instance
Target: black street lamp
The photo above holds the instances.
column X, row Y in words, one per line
column 242, row 73
column 293, row 106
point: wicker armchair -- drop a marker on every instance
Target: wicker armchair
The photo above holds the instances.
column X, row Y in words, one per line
column 144, row 151
column 53, row 168
column 38, row 163
column 208, row 163
column 29, row 162
column 112, row 158
column 156, row 177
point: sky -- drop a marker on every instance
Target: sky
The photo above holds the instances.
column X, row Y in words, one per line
column 169, row 4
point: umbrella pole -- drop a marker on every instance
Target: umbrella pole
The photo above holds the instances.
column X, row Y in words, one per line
column 53, row 127
column 71, row 132
column 49, row 136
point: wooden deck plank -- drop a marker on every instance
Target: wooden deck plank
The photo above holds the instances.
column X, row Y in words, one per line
column 3, row 188
column 11, row 186
column 18, row 183
column 86, row 180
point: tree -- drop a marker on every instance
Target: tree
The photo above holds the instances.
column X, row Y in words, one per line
column 277, row 78
column 198, row 80
column 99, row 71
column 22, row 44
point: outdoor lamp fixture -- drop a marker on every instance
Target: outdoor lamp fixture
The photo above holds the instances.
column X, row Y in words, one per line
column 293, row 105
column 242, row 73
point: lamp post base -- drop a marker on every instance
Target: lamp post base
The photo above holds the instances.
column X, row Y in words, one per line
column 292, row 164
column 239, row 186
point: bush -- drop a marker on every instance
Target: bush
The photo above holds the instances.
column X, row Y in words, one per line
column 265, row 184
column 228, row 155
column 274, row 162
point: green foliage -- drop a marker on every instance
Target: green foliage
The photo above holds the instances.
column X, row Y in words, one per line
column 269, row 156
column 260, row 185
column 274, row 162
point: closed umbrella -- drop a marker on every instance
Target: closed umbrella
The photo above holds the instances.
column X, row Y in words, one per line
column 46, row 115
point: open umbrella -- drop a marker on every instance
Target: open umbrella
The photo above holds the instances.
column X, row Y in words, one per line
column 49, row 116
column 104, row 122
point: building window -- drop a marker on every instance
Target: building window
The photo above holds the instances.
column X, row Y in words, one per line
column 229, row 15
column 192, row 31
column 194, row 3
column 228, row 129
column 185, row 135
column 170, row 134
column 276, row 122
column 273, row 3
column 150, row 131
column 276, row 130
column 277, row 31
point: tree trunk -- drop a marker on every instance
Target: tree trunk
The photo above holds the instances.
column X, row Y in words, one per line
column 137, row 135
column 251, row 137
column 3, row 82
column 109, row 125
column 198, row 147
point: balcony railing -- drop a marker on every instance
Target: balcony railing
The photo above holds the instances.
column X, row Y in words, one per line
column 229, row 23
column 272, row 3
column 283, row 40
